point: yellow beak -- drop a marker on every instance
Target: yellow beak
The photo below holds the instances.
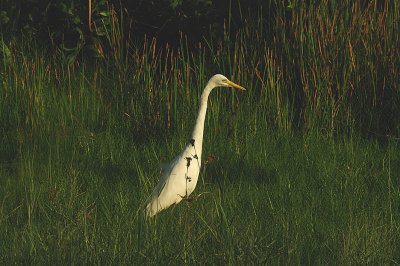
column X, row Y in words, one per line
column 235, row 85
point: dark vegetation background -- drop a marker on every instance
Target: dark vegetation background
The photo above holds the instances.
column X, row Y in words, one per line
column 165, row 19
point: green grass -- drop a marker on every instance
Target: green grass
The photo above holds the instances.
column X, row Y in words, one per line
column 278, row 200
column 294, row 171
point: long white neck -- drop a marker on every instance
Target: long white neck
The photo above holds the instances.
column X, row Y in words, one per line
column 198, row 129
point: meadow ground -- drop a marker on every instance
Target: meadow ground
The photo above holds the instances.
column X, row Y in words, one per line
column 78, row 197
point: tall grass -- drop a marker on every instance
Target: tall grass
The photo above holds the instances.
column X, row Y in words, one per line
column 288, row 174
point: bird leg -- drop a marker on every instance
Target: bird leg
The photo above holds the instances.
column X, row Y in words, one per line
column 188, row 220
column 195, row 197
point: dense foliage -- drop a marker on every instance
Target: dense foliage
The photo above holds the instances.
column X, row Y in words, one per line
column 72, row 23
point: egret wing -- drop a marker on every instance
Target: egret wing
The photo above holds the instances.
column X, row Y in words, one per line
column 172, row 185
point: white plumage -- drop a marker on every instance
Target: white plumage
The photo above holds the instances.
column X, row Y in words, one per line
column 180, row 176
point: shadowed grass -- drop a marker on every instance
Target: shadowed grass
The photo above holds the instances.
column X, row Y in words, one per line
column 287, row 200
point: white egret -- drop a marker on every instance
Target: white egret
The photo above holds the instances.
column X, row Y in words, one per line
column 180, row 176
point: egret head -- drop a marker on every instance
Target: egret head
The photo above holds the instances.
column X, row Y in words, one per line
column 219, row 80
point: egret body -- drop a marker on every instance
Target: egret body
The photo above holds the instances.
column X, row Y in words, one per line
column 180, row 176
